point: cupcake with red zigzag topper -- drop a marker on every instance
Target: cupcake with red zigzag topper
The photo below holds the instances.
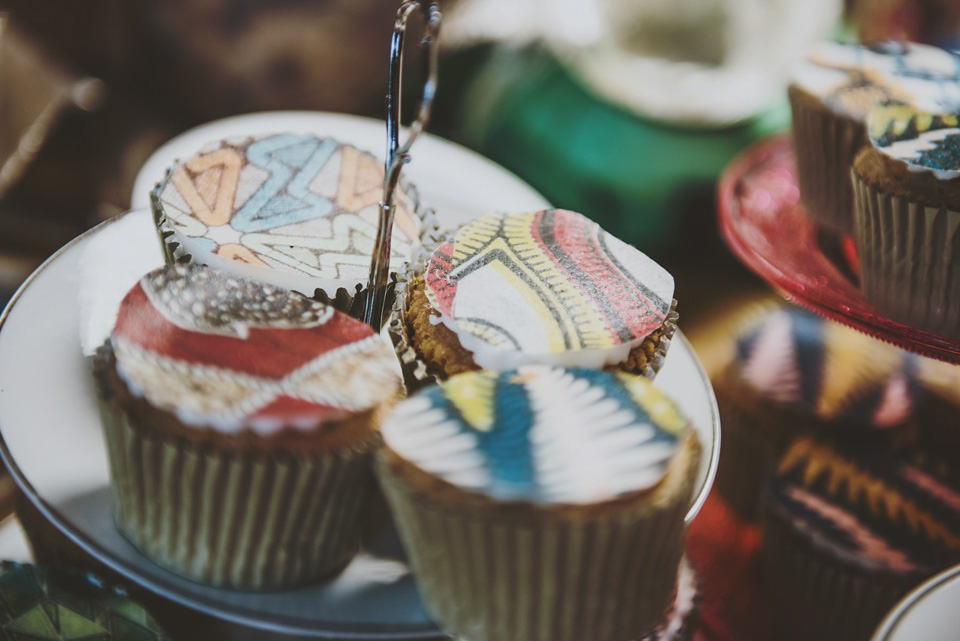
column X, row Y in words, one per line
column 240, row 421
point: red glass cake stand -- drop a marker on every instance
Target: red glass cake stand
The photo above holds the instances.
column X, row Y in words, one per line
column 765, row 225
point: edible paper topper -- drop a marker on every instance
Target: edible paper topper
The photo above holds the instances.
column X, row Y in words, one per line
column 227, row 353
column 542, row 434
column 924, row 141
column 550, row 286
column 798, row 360
column 851, row 78
column 304, row 206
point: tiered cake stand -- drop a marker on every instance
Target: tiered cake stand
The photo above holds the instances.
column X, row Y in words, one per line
column 50, row 437
column 765, row 225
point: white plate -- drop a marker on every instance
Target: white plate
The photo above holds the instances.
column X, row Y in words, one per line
column 52, row 444
column 455, row 181
column 928, row 613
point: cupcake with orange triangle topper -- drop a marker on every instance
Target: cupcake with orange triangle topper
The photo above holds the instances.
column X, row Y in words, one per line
column 794, row 373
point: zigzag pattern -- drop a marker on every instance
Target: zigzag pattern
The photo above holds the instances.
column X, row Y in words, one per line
column 296, row 202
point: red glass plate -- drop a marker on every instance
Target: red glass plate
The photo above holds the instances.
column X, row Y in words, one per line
column 763, row 222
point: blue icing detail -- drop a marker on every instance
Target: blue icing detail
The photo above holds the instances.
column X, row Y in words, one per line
column 292, row 161
column 624, row 401
column 204, row 243
column 808, row 338
column 507, row 446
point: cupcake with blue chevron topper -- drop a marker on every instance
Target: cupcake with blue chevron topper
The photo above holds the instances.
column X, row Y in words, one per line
column 548, row 287
column 541, row 504
column 290, row 209
column 907, row 186
column 795, row 373
column 849, row 529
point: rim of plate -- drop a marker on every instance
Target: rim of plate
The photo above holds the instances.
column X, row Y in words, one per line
column 900, row 611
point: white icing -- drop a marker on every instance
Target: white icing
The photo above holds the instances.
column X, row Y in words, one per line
column 908, row 150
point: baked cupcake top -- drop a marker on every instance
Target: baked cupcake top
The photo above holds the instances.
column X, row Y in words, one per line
column 294, row 210
column 851, row 78
column 868, row 507
column 796, row 360
column 547, row 287
column 231, row 354
column 540, row 434
column 922, row 141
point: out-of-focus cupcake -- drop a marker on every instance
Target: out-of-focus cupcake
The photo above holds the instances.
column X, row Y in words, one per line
column 542, row 504
column 290, row 209
column 680, row 623
column 794, row 373
column 240, row 421
column 831, row 94
column 551, row 287
column 850, row 529
column 907, row 184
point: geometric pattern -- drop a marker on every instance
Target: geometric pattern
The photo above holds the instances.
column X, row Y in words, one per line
column 852, row 78
column 869, row 506
column 797, row 360
column 539, row 433
column 292, row 202
column 270, row 358
column 920, row 139
column 545, row 283
column 36, row 605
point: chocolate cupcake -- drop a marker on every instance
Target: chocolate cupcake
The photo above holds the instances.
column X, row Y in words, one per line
column 795, row 374
column 831, row 94
column 541, row 504
column 240, row 421
column 42, row 604
column 551, row 287
column 293, row 210
column 850, row 529
column 907, row 185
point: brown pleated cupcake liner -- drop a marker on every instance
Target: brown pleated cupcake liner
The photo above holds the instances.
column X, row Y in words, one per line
column 825, row 144
column 263, row 521
column 909, row 259
column 753, row 441
column 491, row 574
column 418, row 374
column 349, row 301
column 817, row 596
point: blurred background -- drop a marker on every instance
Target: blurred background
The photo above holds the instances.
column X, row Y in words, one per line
column 624, row 110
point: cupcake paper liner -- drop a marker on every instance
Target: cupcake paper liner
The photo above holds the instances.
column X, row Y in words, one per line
column 342, row 299
column 681, row 622
column 909, row 259
column 499, row 573
column 818, row 597
column 825, row 144
column 244, row 521
column 417, row 373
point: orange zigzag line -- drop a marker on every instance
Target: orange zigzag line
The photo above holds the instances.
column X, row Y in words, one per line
column 816, row 459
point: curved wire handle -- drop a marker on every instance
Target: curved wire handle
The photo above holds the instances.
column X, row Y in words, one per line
column 397, row 154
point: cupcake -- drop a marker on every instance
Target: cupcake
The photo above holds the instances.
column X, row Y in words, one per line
column 240, row 421
column 681, row 621
column 551, row 287
column 541, row 504
column 58, row 604
column 907, row 185
column 292, row 210
column 834, row 88
column 794, row 373
column 849, row 530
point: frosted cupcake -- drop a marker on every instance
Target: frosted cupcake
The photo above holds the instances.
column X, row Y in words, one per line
column 831, row 94
column 849, row 530
column 551, row 287
column 794, row 373
column 290, row 209
column 907, row 184
column 542, row 504
column 240, row 421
